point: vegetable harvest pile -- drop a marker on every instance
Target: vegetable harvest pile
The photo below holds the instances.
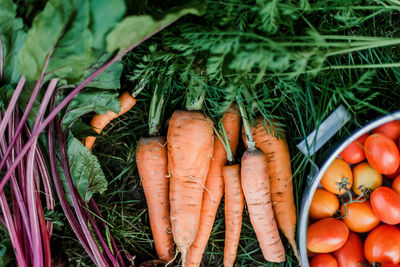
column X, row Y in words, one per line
column 163, row 133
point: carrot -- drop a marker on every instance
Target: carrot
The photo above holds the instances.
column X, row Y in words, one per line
column 151, row 159
column 256, row 189
column 152, row 163
column 215, row 185
column 280, row 175
column 234, row 203
column 190, row 147
column 98, row 122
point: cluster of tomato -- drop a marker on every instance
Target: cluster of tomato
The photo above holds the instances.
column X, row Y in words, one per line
column 355, row 216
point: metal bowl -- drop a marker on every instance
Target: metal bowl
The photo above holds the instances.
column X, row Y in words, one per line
column 313, row 181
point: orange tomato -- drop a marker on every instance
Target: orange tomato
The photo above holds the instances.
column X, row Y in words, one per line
column 323, row 260
column 354, row 153
column 337, row 172
column 383, row 245
column 382, row 153
column 326, row 235
column 352, row 252
column 364, row 176
column 396, row 185
column 323, row 205
column 360, row 217
column 390, row 129
column 386, row 205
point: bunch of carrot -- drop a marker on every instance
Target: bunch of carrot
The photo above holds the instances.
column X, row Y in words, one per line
column 186, row 174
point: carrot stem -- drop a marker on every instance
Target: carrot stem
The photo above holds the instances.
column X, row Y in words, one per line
column 156, row 110
column 195, row 96
column 223, row 137
column 251, row 145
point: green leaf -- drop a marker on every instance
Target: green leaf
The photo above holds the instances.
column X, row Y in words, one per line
column 6, row 252
column 89, row 100
column 12, row 38
column 87, row 175
column 8, row 11
column 109, row 78
column 63, row 25
column 269, row 14
column 81, row 130
column 134, row 29
column 105, row 15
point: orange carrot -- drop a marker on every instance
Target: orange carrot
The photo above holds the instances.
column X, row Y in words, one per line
column 280, row 175
column 234, row 203
column 98, row 122
column 256, row 190
column 190, row 147
column 151, row 159
column 215, row 185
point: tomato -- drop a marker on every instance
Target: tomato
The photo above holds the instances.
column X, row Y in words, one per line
column 354, row 153
column 396, row 185
column 383, row 245
column 390, row 129
column 352, row 252
column 393, row 175
column 360, row 217
column 323, row 205
column 386, row 205
column 382, row 153
column 323, row 260
column 337, row 172
column 390, row 265
column 326, row 235
column 364, row 176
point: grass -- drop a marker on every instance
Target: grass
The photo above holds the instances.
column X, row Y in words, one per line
column 297, row 60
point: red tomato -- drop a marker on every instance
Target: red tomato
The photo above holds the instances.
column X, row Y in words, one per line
column 396, row 185
column 382, row 153
column 352, row 253
column 326, row 235
column 386, row 205
column 323, row 260
column 354, row 153
column 393, row 175
column 360, row 217
column 337, row 172
column 390, row 129
column 323, row 205
column 383, row 245
column 390, row 265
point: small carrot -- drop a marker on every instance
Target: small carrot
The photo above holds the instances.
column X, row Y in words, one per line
column 215, row 185
column 190, row 142
column 234, row 204
column 100, row 121
column 280, row 175
column 151, row 160
column 256, row 189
